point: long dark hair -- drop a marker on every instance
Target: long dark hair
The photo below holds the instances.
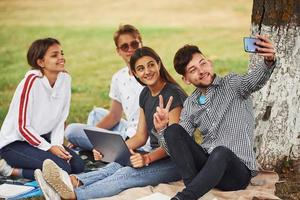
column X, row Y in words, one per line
column 147, row 51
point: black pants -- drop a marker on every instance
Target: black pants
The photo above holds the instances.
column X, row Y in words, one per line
column 201, row 171
column 20, row 154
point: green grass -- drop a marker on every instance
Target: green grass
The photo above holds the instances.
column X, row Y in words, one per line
column 90, row 51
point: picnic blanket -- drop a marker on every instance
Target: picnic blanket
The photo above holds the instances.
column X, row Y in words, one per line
column 265, row 191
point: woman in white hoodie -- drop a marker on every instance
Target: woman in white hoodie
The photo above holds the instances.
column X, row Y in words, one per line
column 33, row 129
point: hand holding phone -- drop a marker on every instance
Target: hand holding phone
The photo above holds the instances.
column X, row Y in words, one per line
column 250, row 44
column 261, row 45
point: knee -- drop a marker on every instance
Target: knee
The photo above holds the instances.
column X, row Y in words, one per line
column 221, row 153
column 73, row 129
column 173, row 132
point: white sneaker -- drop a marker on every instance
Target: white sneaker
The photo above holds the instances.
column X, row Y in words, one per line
column 5, row 169
column 58, row 179
column 48, row 191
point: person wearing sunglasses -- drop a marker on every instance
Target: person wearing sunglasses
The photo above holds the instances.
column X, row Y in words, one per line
column 161, row 92
column 124, row 94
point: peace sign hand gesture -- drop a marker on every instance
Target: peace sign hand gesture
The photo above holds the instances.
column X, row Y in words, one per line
column 161, row 116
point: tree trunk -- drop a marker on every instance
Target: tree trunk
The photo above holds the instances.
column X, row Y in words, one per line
column 277, row 105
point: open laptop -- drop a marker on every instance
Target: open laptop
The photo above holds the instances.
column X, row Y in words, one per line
column 111, row 145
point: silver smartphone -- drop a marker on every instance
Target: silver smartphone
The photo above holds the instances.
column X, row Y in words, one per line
column 250, row 44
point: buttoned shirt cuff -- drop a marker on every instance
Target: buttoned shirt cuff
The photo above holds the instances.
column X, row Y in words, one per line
column 159, row 134
column 160, row 137
column 270, row 65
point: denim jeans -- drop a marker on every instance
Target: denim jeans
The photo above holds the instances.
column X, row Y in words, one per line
column 76, row 135
column 114, row 178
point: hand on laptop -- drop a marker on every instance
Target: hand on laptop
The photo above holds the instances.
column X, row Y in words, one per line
column 97, row 155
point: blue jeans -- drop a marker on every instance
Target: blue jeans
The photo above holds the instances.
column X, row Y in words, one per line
column 75, row 131
column 76, row 135
column 114, row 178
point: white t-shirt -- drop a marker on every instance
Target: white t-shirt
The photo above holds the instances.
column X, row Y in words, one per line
column 126, row 90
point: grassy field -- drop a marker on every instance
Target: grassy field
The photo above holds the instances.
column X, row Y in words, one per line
column 85, row 29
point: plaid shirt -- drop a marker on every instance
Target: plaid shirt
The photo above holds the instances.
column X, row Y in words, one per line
column 226, row 118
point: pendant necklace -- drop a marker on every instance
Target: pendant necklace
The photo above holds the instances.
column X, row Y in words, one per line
column 201, row 99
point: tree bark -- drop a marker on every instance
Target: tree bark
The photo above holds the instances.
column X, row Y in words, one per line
column 277, row 105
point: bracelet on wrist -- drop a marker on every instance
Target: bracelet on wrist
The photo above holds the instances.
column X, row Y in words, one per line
column 147, row 159
column 162, row 130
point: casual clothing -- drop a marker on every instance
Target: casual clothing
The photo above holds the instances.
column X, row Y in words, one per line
column 124, row 89
column 226, row 118
column 20, row 154
column 115, row 178
column 226, row 121
column 201, row 171
column 97, row 114
column 75, row 131
column 149, row 104
column 36, row 110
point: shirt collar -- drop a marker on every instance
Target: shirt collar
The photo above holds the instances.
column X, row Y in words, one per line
column 216, row 81
column 197, row 91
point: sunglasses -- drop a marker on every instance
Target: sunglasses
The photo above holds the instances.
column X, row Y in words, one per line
column 133, row 44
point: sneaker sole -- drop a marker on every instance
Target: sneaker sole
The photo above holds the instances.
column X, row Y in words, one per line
column 38, row 175
column 52, row 174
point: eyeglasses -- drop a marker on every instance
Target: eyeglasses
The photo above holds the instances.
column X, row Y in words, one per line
column 133, row 44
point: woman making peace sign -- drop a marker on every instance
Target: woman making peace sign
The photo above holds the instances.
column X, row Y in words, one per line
column 149, row 168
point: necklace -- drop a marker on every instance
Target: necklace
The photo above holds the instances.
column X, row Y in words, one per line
column 201, row 99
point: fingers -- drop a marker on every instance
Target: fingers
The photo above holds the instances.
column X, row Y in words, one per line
column 265, row 47
column 97, row 155
column 60, row 152
column 264, row 38
column 161, row 101
column 70, row 145
column 132, row 152
column 136, row 160
column 64, row 156
column 157, row 118
column 264, row 42
column 64, row 151
column 169, row 103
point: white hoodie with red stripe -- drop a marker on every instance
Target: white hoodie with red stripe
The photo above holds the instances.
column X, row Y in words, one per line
column 37, row 109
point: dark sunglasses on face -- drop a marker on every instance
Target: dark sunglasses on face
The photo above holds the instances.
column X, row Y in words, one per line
column 133, row 44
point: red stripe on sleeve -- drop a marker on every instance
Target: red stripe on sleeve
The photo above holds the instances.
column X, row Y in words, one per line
column 29, row 137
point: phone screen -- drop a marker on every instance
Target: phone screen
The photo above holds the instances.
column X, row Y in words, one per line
column 249, row 44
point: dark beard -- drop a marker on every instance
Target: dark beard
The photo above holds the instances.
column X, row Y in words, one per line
column 206, row 86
